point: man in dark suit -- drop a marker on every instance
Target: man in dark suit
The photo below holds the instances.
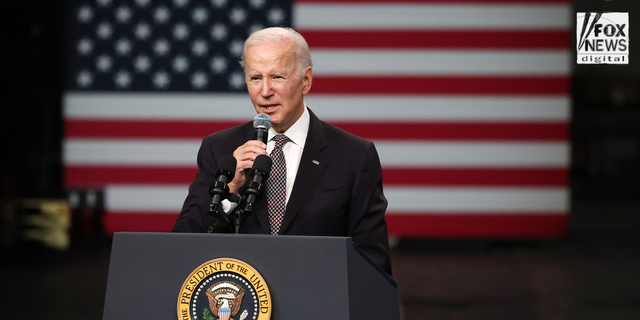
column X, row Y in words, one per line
column 331, row 182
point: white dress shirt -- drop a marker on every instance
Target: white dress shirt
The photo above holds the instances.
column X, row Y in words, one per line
column 292, row 150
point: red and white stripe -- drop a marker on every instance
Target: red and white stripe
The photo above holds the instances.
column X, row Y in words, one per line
column 467, row 102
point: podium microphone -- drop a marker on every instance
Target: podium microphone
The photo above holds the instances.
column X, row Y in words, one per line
column 262, row 124
column 259, row 175
column 255, row 187
column 219, row 190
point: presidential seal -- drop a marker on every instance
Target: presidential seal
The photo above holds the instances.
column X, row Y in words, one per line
column 224, row 289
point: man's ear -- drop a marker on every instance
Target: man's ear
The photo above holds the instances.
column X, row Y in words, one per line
column 308, row 77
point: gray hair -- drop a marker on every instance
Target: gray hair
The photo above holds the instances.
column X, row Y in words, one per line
column 275, row 34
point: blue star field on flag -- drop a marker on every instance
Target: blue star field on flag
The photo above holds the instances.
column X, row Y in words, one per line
column 163, row 45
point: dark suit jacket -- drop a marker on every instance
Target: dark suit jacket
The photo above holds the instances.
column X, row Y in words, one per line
column 338, row 194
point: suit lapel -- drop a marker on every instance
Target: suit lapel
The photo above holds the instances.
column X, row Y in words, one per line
column 312, row 166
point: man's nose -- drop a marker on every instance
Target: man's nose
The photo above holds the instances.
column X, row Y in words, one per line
column 267, row 88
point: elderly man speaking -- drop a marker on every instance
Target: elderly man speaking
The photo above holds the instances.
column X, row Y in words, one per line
column 324, row 181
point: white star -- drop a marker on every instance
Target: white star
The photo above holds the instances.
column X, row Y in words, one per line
column 85, row 14
column 74, row 198
column 91, row 198
column 104, row 30
column 236, row 80
column 199, row 15
column 180, row 31
column 142, row 31
column 199, row 80
column 123, row 46
column 142, row 64
column 85, row 46
column 238, row 15
column 180, row 64
column 104, row 3
column 84, row 78
column 161, row 47
column 255, row 27
column 218, row 64
column 104, row 63
column 219, row 3
column 180, row 3
column 276, row 16
column 161, row 15
column 123, row 14
column 199, row 47
column 122, row 79
column 161, row 79
column 257, row 4
column 236, row 47
column 219, row 31
column 142, row 3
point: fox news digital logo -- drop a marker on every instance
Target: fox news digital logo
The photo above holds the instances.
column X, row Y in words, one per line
column 602, row 37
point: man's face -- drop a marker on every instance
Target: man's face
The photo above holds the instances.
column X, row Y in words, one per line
column 274, row 84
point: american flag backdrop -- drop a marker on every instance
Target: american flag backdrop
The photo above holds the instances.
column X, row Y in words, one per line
column 467, row 101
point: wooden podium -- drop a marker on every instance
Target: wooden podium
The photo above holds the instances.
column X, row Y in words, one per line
column 308, row 277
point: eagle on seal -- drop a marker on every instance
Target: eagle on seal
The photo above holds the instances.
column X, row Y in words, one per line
column 225, row 295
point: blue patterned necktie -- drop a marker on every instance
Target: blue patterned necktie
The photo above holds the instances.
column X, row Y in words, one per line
column 276, row 185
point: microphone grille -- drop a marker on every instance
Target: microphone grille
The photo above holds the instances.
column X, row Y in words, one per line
column 262, row 121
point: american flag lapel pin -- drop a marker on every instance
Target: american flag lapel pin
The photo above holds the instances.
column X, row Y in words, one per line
column 316, row 162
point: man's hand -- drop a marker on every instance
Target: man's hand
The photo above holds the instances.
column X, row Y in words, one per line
column 245, row 155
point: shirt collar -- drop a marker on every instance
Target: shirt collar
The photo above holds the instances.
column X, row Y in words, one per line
column 298, row 131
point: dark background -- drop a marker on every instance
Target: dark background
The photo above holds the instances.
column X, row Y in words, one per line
column 590, row 274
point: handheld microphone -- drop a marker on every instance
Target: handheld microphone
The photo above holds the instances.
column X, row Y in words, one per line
column 262, row 124
column 219, row 190
column 259, row 175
